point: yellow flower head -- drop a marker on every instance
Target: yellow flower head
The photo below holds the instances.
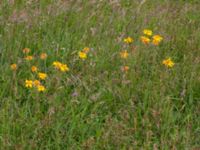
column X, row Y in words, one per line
column 13, row 67
column 124, row 54
column 57, row 64
column 42, row 76
column 82, row 55
column 157, row 39
column 125, row 68
column 29, row 83
column 168, row 63
column 41, row 88
column 86, row 50
column 128, row 40
column 145, row 39
column 28, row 58
column 26, row 50
column 34, row 69
column 36, row 83
column 155, row 42
column 147, row 32
column 64, row 68
column 43, row 56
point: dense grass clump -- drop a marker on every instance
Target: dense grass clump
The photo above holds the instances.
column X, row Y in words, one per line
column 117, row 74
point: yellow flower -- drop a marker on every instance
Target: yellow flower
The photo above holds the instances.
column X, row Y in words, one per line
column 34, row 69
column 43, row 56
column 41, row 88
column 128, row 40
column 86, row 50
column 125, row 68
column 36, row 83
column 145, row 39
column 157, row 39
column 29, row 83
column 147, row 32
column 155, row 42
column 64, row 68
column 124, row 54
column 57, row 64
column 42, row 76
column 168, row 63
column 26, row 50
column 28, row 58
column 82, row 55
column 13, row 67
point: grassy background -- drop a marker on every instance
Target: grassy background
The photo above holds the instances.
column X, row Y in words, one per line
column 95, row 105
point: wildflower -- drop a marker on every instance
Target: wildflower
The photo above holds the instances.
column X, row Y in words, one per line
column 26, row 50
column 125, row 68
column 86, row 50
column 157, row 39
column 124, row 54
column 82, row 55
column 145, row 39
column 128, row 40
column 168, row 63
column 34, row 69
column 57, row 64
column 28, row 58
column 36, row 83
column 42, row 76
column 43, row 56
column 13, row 67
column 29, row 83
column 147, row 32
column 41, row 88
column 64, row 68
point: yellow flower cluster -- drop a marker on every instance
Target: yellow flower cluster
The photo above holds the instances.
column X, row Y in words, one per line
column 42, row 76
column 146, row 38
column 35, row 83
column 83, row 54
column 60, row 66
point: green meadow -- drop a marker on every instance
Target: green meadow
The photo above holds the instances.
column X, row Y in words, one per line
column 91, row 89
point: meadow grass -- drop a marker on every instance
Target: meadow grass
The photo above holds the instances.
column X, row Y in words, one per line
column 96, row 105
